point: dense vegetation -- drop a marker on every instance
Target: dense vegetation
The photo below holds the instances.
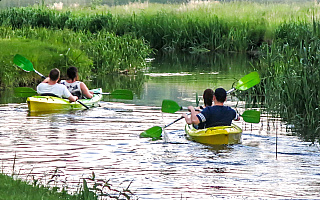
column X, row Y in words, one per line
column 290, row 67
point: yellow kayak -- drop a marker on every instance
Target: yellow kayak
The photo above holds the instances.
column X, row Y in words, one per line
column 52, row 104
column 215, row 135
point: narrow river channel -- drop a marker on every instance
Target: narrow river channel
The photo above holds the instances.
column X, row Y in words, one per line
column 270, row 162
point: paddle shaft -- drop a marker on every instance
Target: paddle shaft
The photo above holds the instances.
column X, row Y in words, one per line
column 173, row 122
column 40, row 74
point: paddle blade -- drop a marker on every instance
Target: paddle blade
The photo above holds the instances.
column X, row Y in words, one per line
column 251, row 116
column 248, row 81
column 122, row 94
column 169, row 106
column 24, row 92
column 154, row 132
column 23, row 63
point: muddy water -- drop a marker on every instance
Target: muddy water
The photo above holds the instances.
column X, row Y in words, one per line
column 270, row 163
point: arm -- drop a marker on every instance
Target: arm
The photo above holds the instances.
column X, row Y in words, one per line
column 188, row 119
column 194, row 118
column 72, row 98
column 46, row 80
column 86, row 91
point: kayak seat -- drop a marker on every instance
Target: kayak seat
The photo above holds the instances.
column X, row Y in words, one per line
column 50, row 94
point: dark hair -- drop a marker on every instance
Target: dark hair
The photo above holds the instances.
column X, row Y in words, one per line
column 54, row 74
column 208, row 97
column 72, row 73
column 220, row 94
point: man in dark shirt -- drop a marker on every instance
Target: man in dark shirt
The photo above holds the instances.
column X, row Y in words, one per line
column 216, row 115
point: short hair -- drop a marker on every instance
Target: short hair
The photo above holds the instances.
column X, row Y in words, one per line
column 220, row 94
column 54, row 74
column 72, row 73
column 208, row 97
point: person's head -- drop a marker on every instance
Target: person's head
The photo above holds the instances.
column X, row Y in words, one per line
column 220, row 95
column 72, row 73
column 54, row 74
column 208, row 97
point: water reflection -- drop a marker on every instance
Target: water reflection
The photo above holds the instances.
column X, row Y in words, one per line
column 105, row 140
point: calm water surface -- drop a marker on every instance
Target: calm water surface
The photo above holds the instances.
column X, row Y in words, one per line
column 105, row 140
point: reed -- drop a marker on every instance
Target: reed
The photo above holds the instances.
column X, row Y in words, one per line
column 291, row 84
column 226, row 26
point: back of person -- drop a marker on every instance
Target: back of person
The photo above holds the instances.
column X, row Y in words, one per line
column 74, row 87
column 207, row 100
column 50, row 87
column 53, row 90
column 218, row 116
column 77, row 88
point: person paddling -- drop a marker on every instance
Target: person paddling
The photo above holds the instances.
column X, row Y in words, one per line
column 207, row 100
column 77, row 88
column 216, row 115
column 50, row 87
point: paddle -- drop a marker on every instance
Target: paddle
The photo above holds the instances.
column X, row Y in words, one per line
column 117, row 94
column 27, row 66
column 251, row 116
column 170, row 106
column 24, row 92
column 246, row 82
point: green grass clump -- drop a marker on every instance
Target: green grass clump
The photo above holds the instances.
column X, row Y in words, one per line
column 18, row 189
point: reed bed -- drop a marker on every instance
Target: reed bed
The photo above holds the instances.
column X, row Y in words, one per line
column 233, row 26
column 291, row 84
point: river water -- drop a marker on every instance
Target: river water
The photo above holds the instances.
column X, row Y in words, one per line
column 269, row 163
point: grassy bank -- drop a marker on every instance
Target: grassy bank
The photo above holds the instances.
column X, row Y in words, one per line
column 89, row 189
column 99, row 53
column 18, row 189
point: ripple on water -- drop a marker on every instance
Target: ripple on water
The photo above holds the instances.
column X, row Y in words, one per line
column 106, row 141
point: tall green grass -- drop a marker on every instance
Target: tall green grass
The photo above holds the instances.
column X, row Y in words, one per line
column 291, row 84
column 233, row 26
column 46, row 48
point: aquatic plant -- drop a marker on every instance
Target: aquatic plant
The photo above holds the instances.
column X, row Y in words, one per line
column 291, row 69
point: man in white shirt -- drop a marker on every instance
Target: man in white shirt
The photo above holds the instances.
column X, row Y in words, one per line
column 51, row 87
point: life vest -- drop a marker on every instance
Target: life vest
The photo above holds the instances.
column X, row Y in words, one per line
column 74, row 88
